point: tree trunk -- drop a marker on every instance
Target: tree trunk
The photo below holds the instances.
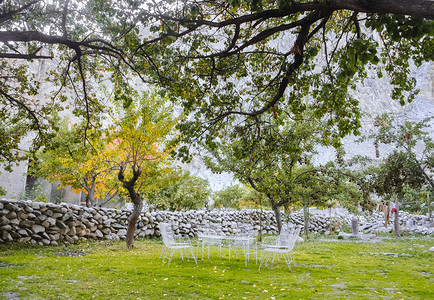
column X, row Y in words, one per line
column 397, row 235
column 138, row 205
column 135, row 198
column 306, row 220
column 260, row 222
column 92, row 194
column 276, row 210
column 87, row 200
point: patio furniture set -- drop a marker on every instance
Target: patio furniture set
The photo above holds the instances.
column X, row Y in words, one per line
column 243, row 243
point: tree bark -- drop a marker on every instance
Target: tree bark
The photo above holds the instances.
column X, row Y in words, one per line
column 416, row 8
column 92, row 194
column 135, row 198
column 397, row 233
column 277, row 213
column 138, row 205
column 306, row 220
column 87, row 200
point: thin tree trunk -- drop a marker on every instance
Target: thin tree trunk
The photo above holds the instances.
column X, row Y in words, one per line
column 306, row 220
column 135, row 198
column 138, row 205
column 260, row 222
column 397, row 234
column 87, row 200
column 277, row 213
column 91, row 193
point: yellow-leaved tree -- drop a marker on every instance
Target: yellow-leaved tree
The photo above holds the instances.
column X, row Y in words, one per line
column 74, row 158
column 138, row 147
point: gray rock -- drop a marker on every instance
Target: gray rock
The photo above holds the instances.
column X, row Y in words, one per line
column 38, row 228
column 122, row 232
column 26, row 223
column 60, row 224
column 72, row 231
column 4, row 220
column 57, row 215
column 113, row 236
column 23, row 233
column 67, row 216
column 48, row 213
column 14, row 221
column 11, row 215
column 6, row 228
column 99, row 234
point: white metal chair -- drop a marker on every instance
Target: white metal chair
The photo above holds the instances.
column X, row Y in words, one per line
column 172, row 243
column 245, row 240
column 282, row 245
column 208, row 238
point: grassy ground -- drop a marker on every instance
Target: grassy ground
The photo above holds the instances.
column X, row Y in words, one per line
column 322, row 270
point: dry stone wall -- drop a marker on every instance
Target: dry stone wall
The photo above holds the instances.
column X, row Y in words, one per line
column 50, row 224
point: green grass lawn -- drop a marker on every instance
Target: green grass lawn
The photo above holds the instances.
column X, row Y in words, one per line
column 322, row 270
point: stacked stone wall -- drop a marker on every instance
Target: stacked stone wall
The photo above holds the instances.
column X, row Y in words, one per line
column 50, row 224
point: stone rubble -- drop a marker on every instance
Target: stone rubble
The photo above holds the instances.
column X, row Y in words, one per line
column 51, row 224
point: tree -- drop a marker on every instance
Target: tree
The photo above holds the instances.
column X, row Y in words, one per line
column 138, row 148
column 418, row 201
column 230, row 197
column 75, row 47
column 76, row 162
column 411, row 163
column 180, row 190
column 392, row 176
column 266, row 156
column 325, row 186
column 412, row 138
column 232, row 61
column 220, row 59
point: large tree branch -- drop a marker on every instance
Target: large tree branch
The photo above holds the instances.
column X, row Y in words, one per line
column 36, row 36
column 297, row 50
column 414, row 8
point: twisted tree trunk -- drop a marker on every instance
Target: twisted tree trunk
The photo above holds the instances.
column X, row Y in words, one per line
column 135, row 198
column 138, row 205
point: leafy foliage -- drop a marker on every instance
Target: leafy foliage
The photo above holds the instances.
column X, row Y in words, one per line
column 138, row 149
column 417, row 201
column 224, row 62
column 411, row 163
column 276, row 160
column 77, row 162
column 231, row 61
column 180, row 190
column 233, row 196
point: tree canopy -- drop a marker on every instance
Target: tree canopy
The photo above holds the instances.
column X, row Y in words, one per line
column 74, row 162
column 231, row 62
column 180, row 190
column 223, row 61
